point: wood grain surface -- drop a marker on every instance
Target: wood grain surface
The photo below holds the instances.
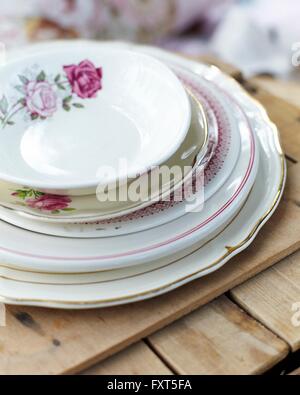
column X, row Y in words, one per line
column 219, row 338
column 138, row 359
column 273, row 297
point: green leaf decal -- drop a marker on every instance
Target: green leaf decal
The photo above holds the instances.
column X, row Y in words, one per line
column 20, row 88
column 61, row 87
column 67, row 99
column 27, row 193
column 78, row 105
column 21, row 194
column 41, row 77
column 23, row 79
column 3, row 105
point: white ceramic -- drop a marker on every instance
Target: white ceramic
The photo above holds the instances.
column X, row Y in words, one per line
column 219, row 110
column 142, row 282
column 260, row 205
column 66, row 114
column 31, row 251
column 196, row 150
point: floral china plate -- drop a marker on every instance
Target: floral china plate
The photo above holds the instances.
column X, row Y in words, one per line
column 66, row 117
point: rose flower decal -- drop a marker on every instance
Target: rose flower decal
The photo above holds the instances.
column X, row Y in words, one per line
column 43, row 95
column 43, row 201
column 85, row 79
column 41, row 100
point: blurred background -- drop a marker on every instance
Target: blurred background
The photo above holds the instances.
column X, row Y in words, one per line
column 258, row 36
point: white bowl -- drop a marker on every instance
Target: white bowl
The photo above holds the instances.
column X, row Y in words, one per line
column 66, row 116
column 196, row 150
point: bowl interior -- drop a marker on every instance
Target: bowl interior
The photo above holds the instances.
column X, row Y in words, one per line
column 71, row 120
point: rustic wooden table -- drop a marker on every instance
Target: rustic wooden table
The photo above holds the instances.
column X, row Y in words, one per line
column 239, row 320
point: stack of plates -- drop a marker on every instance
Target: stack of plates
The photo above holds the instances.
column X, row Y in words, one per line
column 81, row 124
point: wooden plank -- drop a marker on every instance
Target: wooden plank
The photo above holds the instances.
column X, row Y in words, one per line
column 45, row 341
column 273, row 297
column 292, row 189
column 135, row 360
column 270, row 296
column 219, row 339
column 295, row 373
column 289, row 163
column 286, row 90
column 284, row 115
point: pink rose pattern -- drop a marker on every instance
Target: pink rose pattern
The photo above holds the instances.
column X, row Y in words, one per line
column 50, row 202
column 44, row 201
column 85, row 79
column 41, row 100
column 42, row 96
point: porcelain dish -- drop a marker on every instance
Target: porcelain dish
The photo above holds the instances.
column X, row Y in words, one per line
column 93, row 290
column 186, row 233
column 68, row 116
column 220, row 115
column 181, row 251
column 196, row 150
